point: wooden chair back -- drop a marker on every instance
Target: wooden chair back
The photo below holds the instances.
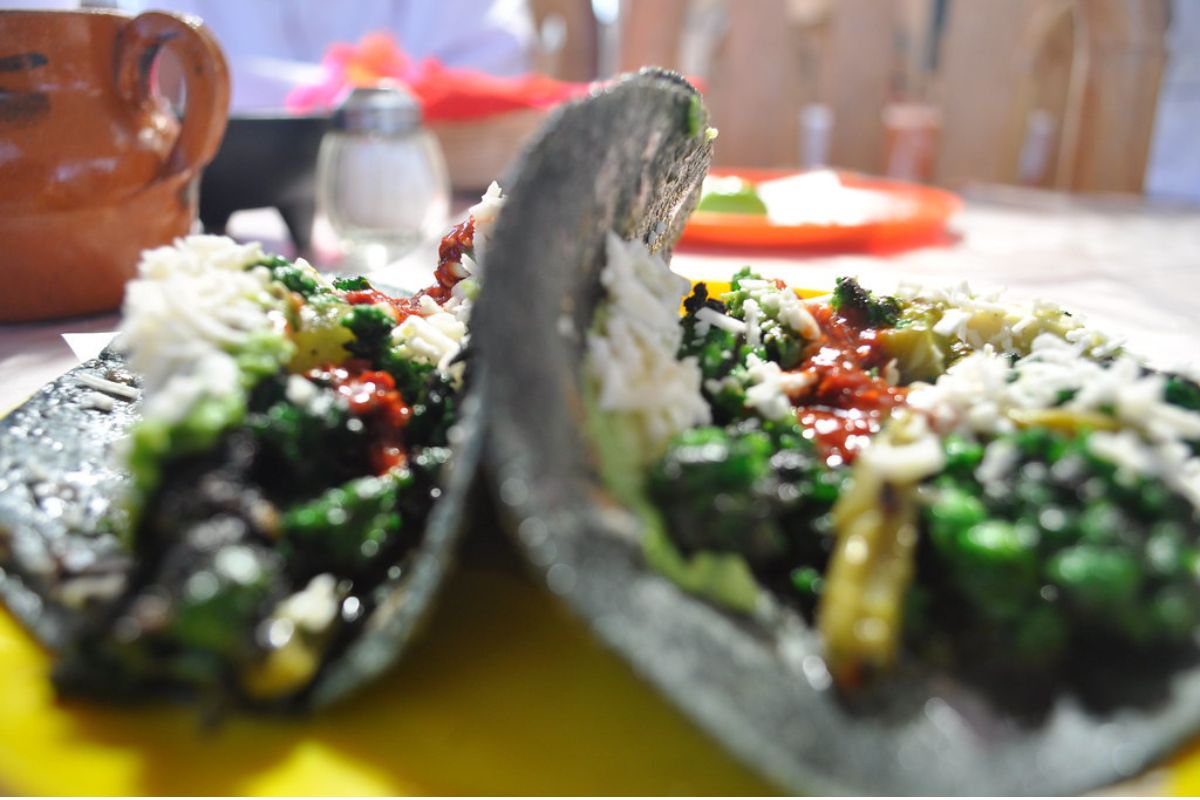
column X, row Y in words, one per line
column 1056, row 93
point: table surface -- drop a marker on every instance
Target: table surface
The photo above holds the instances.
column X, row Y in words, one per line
column 1132, row 268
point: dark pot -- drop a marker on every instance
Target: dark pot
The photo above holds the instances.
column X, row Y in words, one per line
column 265, row 162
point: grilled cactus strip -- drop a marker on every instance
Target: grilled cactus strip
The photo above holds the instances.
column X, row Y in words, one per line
column 861, row 611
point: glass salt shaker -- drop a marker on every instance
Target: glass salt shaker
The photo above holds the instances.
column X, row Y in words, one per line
column 381, row 177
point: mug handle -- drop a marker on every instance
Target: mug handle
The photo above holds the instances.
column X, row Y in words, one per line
column 205, row 77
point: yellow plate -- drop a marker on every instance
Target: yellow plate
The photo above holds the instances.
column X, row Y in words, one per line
column 506, row 693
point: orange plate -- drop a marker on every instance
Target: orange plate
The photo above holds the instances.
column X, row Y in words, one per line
column 905, row 212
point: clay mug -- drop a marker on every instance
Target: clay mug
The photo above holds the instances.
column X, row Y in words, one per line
column 94, row 165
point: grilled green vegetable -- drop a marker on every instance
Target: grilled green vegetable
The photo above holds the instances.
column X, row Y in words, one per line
column 849, row 297
column 1065, row 550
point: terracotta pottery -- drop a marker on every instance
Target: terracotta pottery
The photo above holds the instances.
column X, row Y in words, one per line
column 94, row 165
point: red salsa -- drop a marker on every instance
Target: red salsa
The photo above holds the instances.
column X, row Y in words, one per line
column 372, row 396
column 459, row 240
column 847, row 402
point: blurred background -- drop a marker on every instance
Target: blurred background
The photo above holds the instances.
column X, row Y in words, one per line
column 1078, row 96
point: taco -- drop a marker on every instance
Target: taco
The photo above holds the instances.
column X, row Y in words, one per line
column 252, row 499
column 929, row 542
column 293, row 437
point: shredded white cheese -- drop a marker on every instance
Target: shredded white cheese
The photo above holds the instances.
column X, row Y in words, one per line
column 313, row 608
column 906, row 453
column 435, row 338
column 999, row 459
column 631, row 353
column 978, row 319
column 985, row 395
column 795, row 314
column 122, row 390
column 953, row 322
column 723, row 321
column 484, row 213
column 753, row 319
column 192, row 308
column 100, row 402
column 771, row 388
column 300, row 391
column 768, row 301
column 303, row 393
column 438, row 333
column 891, row 372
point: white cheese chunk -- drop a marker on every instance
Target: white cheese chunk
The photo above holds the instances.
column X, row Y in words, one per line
column 631, row 353
column 485, row 213
column 722, row 321
column 192, row 308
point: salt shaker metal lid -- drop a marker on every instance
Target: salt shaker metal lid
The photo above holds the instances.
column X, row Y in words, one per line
column 388, row 110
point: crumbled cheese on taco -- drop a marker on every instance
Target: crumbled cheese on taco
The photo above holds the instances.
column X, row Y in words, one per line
column 764, row 305
column 631, row 350
column 781, row 304
column 484, row 213
column 770, row 387
column 710, row 317
column 432, row 336
column 194, row 307
column 437, row 333
column 987, row 395
column 906, row 453
column 981, row 319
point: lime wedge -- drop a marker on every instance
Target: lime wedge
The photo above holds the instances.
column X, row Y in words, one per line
column 731, row 196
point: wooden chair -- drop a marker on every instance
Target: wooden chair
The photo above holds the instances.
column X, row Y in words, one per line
column 1093, row 66
column 761, row 69
column 1080, row 75
column 569, row 41
column 1125, row 58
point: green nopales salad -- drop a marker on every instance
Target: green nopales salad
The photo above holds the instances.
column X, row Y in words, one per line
column 294, row 432
column 933, row 474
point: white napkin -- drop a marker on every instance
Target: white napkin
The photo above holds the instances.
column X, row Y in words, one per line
column 87, row 346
